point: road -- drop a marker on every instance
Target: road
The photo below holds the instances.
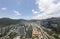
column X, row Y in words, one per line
column 43, row 33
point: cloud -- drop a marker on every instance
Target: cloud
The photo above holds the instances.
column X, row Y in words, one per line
column 17, row 12
column 3, row 8
column 49, row 9
column 34, row 12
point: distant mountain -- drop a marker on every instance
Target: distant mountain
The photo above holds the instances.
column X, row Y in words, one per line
column 52, row 23
column 8, row 21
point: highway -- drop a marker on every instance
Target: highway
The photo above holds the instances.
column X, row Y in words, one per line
column 43, row 33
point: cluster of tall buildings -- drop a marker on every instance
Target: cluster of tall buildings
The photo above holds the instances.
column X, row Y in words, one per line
column 29, row 32
column 24, row 31
column 4, row 31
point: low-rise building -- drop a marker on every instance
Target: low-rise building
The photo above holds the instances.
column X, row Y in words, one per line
column 36, row 33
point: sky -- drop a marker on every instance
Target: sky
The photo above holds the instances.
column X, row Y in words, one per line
column 29, row 9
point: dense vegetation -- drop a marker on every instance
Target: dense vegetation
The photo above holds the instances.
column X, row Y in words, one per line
column 8, row 21
column 55, row 31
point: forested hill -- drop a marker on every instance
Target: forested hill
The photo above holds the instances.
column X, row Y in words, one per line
column 52, row 23
column 8, row 21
